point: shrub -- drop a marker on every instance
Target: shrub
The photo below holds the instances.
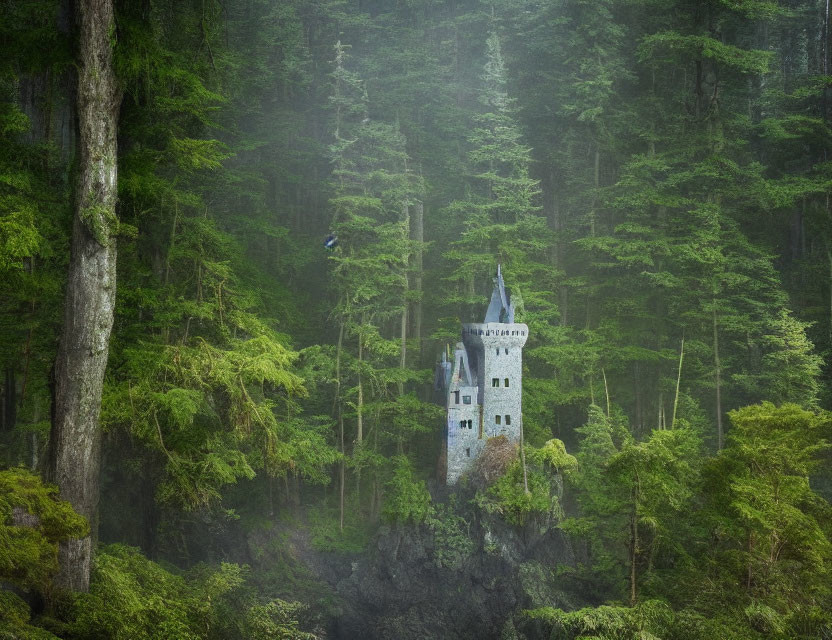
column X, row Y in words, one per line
column 33, row 520
column 407, row 499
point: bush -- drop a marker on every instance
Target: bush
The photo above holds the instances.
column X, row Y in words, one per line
column 33, row 520
column 407, row 499
column 506, row 494
column 451, row 535
column 134, row 598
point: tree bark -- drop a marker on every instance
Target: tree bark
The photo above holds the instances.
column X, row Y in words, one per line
column 678, row 382
column 419, row 238
column 634, row 542
column 74, row 456
column 405, row 303
column 360, row 406
column 523, row 459
column 606, row 390
column 718, row 372
column 339, row 409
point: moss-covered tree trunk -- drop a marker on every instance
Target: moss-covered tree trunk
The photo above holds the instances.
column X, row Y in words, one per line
column 91, row 287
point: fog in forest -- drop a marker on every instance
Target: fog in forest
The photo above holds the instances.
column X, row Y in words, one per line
column 376, row 319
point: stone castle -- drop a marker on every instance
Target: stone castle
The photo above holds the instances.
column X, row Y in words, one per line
column 482, row 385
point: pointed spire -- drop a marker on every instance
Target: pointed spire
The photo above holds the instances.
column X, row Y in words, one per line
column 500, row 309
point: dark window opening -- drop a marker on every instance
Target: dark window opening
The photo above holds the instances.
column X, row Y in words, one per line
column 468, row 452
column 505, row 350
column 466, row 399
column 470, row 424
column 462, row 424
column 495, row 382
column 498, row 351
column 456, row 397
column 497, row 419
column 506, row 384
column 508, row 419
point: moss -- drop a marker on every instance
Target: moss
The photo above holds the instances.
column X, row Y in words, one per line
column 101, row 221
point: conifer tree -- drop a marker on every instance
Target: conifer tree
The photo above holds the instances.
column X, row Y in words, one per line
column 373, row 193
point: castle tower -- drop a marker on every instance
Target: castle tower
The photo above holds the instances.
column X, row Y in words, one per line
column 483, row 384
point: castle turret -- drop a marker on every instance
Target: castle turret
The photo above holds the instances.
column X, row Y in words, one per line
column 484, row 394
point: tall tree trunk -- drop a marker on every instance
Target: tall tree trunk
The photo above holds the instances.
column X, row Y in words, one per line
column 360, row 405
column 340, row 411
column 405, row 302
column 91, row 286
column 596, row 181
column 633, row 543
column 523, row 458
column 678, row 382
column 606, row 390
column 9, row 400
column 718, row 375
column 418, row 265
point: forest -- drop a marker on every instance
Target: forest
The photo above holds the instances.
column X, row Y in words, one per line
column 236, row 237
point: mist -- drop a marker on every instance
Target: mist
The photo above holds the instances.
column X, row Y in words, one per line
column 416, row 319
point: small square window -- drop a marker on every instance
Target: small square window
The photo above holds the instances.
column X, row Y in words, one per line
column 506, row 382
column 508, row 419
column 466, row 399
column 495, row 382
column 497, row 419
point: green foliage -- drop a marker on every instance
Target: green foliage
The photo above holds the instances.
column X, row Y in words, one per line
column 774, row 526
column 33, row 520
column 327, row 534
column 546, row 467
column 703, row 47
column 132, row 597
column 508, row 497
column 554, row 454
column 646, row 172
column 406, row 499
column 452, row 540
column 650, row 620
column 14, row 620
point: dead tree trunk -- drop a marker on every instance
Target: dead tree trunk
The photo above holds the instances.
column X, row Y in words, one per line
column 91, row 285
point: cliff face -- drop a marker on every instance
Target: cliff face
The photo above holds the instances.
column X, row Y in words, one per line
column 463, row 576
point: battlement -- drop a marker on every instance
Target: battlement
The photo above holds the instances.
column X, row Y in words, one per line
column 480, row 334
